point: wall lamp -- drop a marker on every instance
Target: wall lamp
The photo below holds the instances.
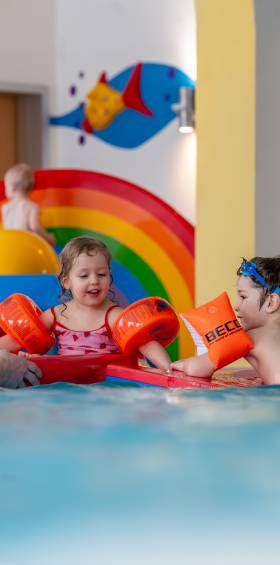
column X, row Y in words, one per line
column 185, row 110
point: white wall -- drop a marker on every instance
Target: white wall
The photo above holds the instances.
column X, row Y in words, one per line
column 27, row 58
column 27, row 44
column 96, row 35
column 46, row 43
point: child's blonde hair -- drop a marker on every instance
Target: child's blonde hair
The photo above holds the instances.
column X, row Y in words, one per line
column 21, row 177
column 74, row 248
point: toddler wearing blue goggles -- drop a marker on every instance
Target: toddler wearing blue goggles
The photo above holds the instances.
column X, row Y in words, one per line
column 258, row 311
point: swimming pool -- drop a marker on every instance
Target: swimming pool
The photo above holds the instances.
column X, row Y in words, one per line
column 125, row 474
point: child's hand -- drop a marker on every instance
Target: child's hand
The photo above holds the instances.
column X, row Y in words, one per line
column 51, row 239
column 200, row 366
column 26, row 355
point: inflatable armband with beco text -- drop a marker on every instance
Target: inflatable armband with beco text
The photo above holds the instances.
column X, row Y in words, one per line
column 222, row 333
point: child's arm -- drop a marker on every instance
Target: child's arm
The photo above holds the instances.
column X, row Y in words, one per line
column 9, row 344
column 156, row 353
column 47, row 318
column 113, row 314
column 152, row 350
column 200, row 366
column 36, row 227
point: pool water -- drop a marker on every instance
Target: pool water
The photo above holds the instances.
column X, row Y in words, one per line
column 125, row 474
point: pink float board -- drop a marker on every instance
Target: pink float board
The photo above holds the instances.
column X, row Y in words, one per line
column 221, row 379
column 90, row 369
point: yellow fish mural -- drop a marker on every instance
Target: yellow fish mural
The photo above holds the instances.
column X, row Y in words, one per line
column 104, row 103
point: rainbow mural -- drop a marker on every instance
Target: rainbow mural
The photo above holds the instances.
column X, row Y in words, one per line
column 151, row 244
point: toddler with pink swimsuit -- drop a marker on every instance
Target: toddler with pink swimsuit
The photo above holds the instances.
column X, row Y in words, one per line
column 84, row 321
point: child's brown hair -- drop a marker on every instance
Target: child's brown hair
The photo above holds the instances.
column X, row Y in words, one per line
column 269, row 269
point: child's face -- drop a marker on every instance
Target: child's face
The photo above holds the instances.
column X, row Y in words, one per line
column 89, row 279
column 248, row 306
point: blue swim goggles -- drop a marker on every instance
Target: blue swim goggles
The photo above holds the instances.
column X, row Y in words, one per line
column 249, row 269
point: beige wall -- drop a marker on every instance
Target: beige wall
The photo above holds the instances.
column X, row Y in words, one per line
column 225, row 143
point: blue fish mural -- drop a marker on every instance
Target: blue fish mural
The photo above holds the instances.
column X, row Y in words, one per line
column 157, row 87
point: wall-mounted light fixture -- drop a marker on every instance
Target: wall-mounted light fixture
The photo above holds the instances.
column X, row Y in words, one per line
column 185, row 110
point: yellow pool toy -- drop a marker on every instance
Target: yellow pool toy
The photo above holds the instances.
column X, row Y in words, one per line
column 25, row 253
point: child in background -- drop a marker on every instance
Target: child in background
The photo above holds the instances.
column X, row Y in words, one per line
column 21, row 213
column 83, row 323
column 258, row 310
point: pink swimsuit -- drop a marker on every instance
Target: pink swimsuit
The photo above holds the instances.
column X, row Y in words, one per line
column 71, row 342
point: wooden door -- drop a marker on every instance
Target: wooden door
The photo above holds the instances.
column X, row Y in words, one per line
column 8, row 131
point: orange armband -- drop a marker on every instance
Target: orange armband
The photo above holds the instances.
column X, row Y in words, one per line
column 145, row 320
column 20, row 319
column 220, row 330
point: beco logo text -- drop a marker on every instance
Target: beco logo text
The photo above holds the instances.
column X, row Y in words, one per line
column 223, row 331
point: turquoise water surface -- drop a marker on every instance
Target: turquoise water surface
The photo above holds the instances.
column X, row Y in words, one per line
column 127, row 474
